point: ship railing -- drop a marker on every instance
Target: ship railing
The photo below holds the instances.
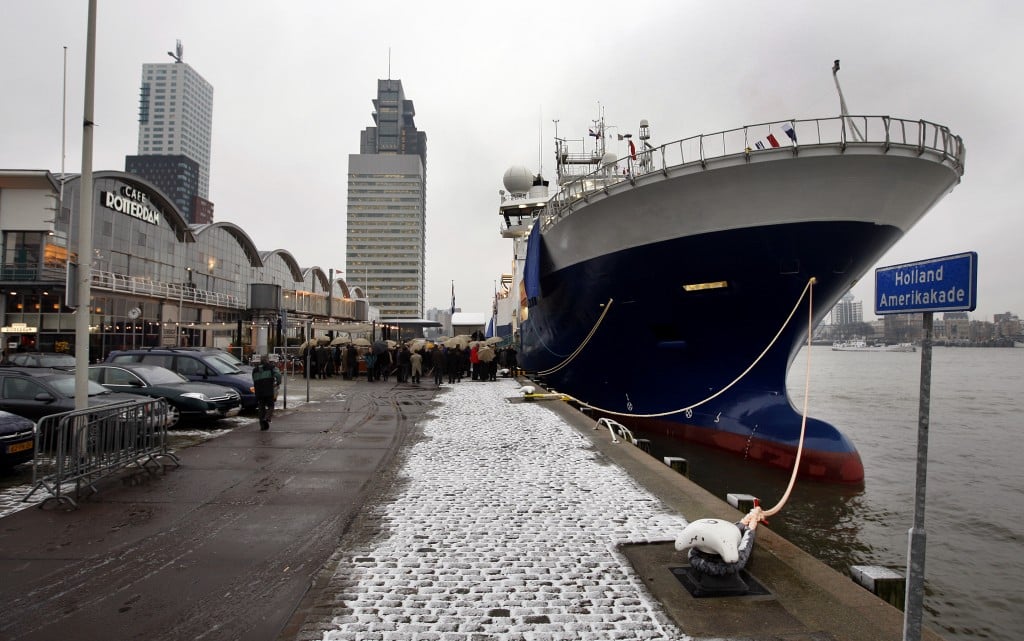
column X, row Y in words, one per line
column 792, row 136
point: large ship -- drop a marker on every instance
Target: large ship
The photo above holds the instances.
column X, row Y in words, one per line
column 672, row 287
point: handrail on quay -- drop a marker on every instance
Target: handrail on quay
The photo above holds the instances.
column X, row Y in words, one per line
column 84, row 446
column 880, row 132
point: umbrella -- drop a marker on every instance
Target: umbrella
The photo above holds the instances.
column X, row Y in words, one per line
column 379, row 347
column 323, row 340
column 361, row 342
column 391, row 344
column 486, row 354
column 461, row 341
column 341, row 340
column 494, row 340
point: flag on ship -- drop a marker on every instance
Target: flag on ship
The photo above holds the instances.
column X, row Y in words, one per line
column 788, row 129
column 772, row 141
column 759, row 144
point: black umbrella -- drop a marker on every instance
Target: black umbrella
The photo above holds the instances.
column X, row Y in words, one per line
column 379, row 347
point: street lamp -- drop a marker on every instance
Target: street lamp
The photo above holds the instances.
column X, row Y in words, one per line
column 181, row 299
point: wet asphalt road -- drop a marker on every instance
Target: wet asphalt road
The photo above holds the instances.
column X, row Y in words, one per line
column 224, row 547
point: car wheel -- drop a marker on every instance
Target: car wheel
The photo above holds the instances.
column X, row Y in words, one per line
column 173, row 416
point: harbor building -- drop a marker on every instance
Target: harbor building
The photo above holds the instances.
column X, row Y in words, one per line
column 386, row 235
column 156, row 280
column 175, row 130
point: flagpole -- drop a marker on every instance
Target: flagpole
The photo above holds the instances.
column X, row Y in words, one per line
column 63, row 134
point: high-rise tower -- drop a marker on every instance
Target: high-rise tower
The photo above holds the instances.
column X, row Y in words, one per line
column 175, row 125
column 386, row 242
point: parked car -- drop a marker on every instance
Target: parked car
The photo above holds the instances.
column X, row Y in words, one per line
column 41, row 359
column 35, row 392
column 17, row 440
column 185, row 398
column 223, row 354
column 195, row 365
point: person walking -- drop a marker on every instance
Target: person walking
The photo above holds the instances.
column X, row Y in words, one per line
column 265, row 379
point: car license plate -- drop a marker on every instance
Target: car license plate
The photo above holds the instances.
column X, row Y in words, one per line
column 19, row 447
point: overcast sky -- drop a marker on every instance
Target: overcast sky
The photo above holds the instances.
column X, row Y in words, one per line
column 293, row 83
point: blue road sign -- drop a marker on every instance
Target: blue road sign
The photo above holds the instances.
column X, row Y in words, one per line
column 946, row 284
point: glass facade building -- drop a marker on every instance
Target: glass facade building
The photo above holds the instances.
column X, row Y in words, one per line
column 156, row 280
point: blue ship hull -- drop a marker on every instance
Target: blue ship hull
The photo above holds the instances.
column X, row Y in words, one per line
column 660, row 348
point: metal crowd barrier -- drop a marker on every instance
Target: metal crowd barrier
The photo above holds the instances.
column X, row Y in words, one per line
column 75, row 449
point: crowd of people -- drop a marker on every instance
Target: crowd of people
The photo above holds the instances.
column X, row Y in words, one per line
column 475, row 361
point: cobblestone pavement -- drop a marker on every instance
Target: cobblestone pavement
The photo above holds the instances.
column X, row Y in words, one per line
column 502, row 523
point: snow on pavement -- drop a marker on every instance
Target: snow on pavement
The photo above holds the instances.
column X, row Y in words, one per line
column 503, row 524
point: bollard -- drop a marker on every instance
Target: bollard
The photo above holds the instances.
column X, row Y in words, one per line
column 643, row 443
column 742, row 502
column 678, row 464
column 889, row 585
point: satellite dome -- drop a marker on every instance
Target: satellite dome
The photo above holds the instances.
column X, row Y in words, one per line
column 609, row 158
column 518, row 180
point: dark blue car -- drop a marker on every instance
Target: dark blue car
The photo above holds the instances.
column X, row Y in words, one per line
column 195, row 365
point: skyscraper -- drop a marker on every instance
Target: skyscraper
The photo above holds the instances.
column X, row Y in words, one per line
column 175, row 121
column 386, row 241
column 848, row 311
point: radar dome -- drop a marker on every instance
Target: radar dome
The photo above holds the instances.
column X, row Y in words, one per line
column 608, row 159
column 518, row 180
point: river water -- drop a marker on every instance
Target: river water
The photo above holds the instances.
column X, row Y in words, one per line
column 974, row 568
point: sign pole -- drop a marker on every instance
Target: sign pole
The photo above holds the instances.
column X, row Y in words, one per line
column 914, row 605
column 943, row 284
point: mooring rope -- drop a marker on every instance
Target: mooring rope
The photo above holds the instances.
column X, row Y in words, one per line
column 785, row 324
column 756, row 514
column 582, row 345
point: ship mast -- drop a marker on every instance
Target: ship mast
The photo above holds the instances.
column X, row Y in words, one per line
column 844, row 112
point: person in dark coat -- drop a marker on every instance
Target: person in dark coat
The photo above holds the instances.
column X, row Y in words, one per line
column 265, row 379
column 453, row 363
column 437, row 361
column 404, row 364
column 352, row 361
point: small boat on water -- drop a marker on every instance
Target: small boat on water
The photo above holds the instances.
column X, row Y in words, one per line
column 864, row 346
column 670, row 288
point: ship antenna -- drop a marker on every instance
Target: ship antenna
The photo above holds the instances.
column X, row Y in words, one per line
column 844, row 112
column 540, row 141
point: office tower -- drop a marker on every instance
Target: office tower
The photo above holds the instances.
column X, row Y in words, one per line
column 386, row 240
column 175, row 120
column 848, row 311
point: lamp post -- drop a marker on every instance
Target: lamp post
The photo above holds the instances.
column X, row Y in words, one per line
column 181, row 299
